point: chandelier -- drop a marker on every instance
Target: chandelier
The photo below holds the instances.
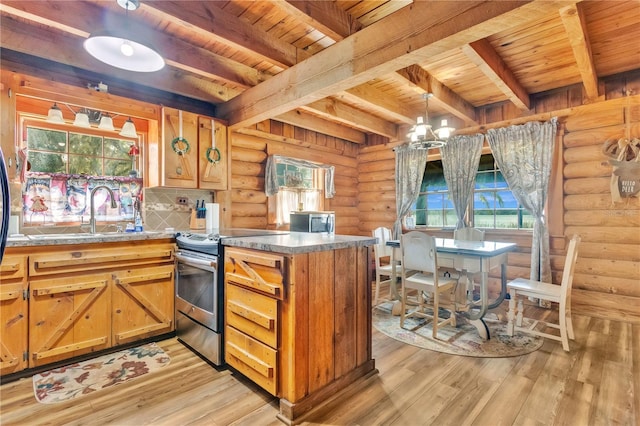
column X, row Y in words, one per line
column 422, row 135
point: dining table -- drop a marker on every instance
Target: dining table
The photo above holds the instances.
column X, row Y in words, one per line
column 468, row 258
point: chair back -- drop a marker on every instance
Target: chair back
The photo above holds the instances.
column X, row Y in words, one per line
column 468, row 234
column 570, row 266
column 381, row 249
column 419, row 252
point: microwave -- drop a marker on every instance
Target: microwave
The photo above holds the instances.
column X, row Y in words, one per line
column 312, row 221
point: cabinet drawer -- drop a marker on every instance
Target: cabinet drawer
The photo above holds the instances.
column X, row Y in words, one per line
column 253, row 359
column 257, row 270
column 91, row 259
column 253, row 313
column 13, row 267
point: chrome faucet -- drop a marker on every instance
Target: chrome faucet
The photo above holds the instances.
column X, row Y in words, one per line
column 92, row 220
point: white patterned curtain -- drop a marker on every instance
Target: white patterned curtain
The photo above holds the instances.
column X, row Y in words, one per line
column 460, row 160
column 410, row 164
column 271, row 186
column 524, row 154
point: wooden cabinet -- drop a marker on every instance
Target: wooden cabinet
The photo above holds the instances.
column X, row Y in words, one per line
column 8, row 122
column 142, row 303
column 195, row 151
column 254, row 283
column 68, row 317
column 82, row 298
column 13, row 314
column 299, row 325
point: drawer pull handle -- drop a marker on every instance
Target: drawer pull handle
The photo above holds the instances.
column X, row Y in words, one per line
column 251, row 315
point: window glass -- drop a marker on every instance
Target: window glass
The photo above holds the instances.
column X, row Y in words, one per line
column 493, row 204
column 300, row 189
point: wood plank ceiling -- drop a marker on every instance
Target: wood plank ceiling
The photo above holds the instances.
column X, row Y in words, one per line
column 352, row 69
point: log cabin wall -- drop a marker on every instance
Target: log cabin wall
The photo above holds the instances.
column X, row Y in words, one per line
column 607, row 278
column 249, row 207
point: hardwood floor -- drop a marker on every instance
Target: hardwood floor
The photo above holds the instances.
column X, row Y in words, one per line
column 597, row 383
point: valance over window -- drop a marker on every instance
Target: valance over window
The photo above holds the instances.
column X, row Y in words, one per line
column 271, row 186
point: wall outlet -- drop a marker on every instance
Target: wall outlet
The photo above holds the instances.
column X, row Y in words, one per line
column 182, row 201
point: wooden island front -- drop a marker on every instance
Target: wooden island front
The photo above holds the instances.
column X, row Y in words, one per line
column 298, row 315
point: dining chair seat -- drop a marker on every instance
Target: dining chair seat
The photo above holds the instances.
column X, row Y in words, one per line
column 561, row 294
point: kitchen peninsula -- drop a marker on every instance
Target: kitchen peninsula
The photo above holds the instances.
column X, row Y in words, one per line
column 298, row 317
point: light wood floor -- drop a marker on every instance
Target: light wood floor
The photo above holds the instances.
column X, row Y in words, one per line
column 597, row 383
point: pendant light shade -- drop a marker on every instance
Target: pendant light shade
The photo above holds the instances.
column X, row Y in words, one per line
column 129, row 129
column 444, row 131
column 55, row 114
column 106, row 123
column 124, row 52
column 82, row 119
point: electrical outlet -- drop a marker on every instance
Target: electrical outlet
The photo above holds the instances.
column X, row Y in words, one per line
column 182, row 201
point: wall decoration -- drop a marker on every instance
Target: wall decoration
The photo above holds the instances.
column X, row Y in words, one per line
column 624, row 156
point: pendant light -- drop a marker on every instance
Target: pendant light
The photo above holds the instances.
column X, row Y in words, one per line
column 82, row 119
column 444, row 131
column 422, row 135
column 55, row 114
column 106, row 123
column 124, row 49
column 129, row 129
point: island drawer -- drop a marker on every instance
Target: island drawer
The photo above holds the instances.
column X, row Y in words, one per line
column 259, row 271
column 252, row 313
column 255, row 360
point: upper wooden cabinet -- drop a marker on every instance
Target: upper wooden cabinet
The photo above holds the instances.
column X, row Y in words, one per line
column 194, row 152
column 8, row 123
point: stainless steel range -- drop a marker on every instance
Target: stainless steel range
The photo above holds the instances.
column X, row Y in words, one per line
column 199, row 290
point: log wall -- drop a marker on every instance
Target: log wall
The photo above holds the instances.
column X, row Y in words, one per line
column 246, row 204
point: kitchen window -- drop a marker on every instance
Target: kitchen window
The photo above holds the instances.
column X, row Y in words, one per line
column 493, row 204
column 295, row 185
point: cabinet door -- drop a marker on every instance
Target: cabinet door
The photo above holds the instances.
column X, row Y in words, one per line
column 8, row 122
column 180, row 148
column 213, row 157
column 13, row 334
column 68, row 317
column 143, row 303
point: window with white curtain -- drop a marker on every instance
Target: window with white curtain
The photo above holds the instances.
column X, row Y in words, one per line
column 300, row 188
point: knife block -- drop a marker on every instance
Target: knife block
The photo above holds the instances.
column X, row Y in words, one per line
column 196, row 223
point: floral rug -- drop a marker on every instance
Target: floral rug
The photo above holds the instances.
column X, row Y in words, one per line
column 460, row 340
column 83, row 378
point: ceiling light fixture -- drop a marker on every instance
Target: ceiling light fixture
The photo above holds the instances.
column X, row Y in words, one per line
column 106, row 123
column 422, row 135
column 124, row 50
column 129, row 129
column 55, row 114
column 82, row 119
column 444, row 131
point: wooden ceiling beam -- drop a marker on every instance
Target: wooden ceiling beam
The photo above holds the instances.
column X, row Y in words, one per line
column 211, row 21
column 380, row 102
column 443, row 97
column 485, row 57
column 339, row 111
column 411, row 35
column 176, row 52
column 324, row 16
column 312, row 122
column 575, row 26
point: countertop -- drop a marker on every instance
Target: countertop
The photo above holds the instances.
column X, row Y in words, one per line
column 299, row 242
column 85, row 238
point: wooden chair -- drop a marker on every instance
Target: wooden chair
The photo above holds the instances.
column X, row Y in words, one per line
column 520, row 288
column 420, row 259
column 468, row 234
column 382, row 254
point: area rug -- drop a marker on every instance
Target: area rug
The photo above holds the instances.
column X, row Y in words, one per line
column 460, row 340
column 83, row 378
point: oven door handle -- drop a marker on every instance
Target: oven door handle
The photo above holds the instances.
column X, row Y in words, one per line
column 196, row 262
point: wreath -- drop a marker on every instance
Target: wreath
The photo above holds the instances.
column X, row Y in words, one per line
column 216, row 159
column 176, row 149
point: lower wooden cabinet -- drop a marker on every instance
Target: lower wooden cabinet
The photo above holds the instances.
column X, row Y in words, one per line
column 142, row 303
column 68, row 317
column 13, row 314
column 82, row 298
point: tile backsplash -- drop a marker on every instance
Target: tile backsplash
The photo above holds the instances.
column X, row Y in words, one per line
column 162, row 211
